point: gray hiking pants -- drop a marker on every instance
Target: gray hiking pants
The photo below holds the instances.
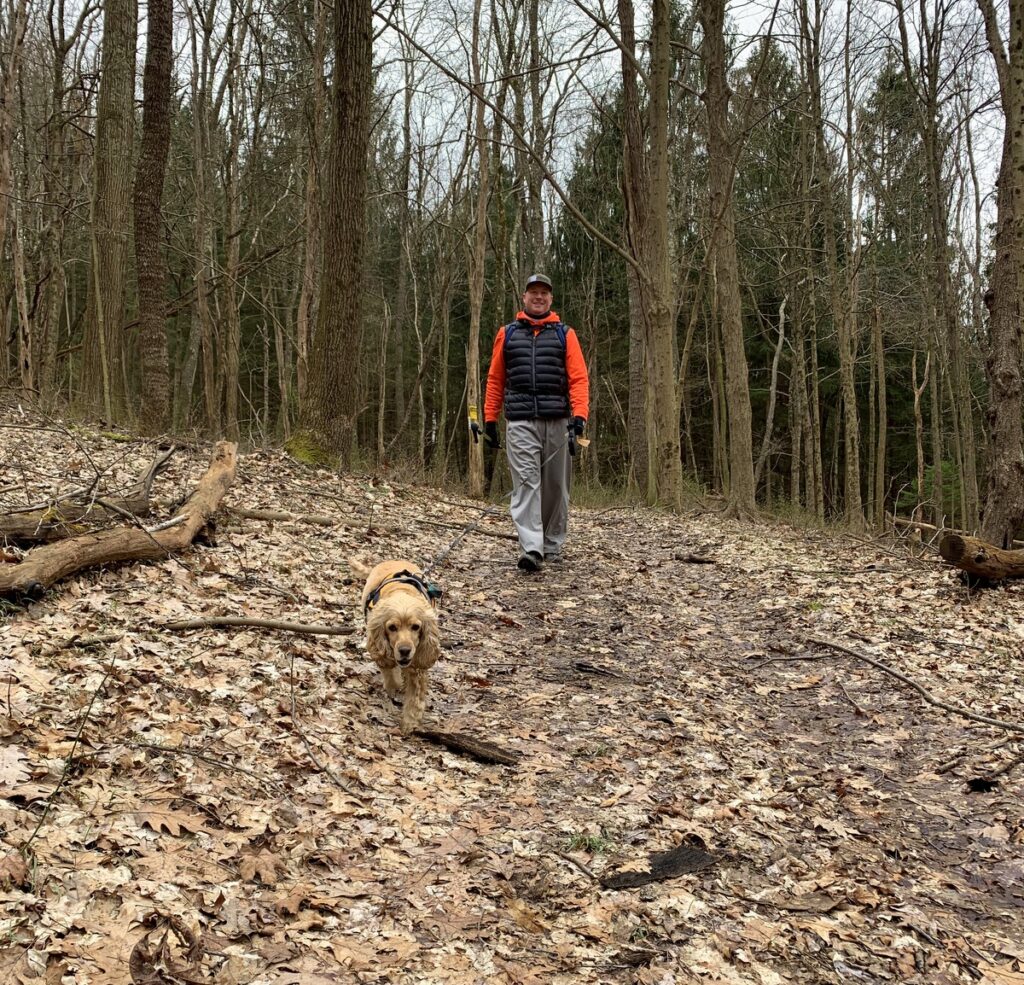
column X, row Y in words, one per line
column 538, row 458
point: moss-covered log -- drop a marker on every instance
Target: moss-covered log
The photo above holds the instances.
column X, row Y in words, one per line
column 69, row 518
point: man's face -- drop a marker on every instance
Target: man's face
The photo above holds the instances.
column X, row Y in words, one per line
column 537, row 299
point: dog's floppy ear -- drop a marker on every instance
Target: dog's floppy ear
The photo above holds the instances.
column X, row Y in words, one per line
column 430, row 641
column 376, row 634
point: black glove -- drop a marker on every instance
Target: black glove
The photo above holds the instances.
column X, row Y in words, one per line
column 577, row 426
column 491, row 434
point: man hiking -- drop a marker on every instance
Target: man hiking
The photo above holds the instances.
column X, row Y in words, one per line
column 539, row 377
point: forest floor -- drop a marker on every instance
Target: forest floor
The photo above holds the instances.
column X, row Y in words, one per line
column 238, row 805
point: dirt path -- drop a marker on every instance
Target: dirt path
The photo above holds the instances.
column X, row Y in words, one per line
column 255, row 787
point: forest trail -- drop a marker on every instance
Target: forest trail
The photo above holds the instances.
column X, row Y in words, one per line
column 253, row 785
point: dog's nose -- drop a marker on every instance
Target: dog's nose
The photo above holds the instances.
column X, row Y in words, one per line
column 404, row 654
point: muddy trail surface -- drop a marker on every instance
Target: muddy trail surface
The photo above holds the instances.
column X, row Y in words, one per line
column 238, row 805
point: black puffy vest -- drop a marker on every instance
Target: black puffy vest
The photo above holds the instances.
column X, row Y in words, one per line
column 536, row 383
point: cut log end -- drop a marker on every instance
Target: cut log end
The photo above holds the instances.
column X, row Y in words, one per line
column 980, row 559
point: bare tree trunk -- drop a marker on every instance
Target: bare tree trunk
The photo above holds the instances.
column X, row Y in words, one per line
column 477, row 258
column 842, row 314
column 536, row 248
column 919, row 431
column 797, row 403
column 926, row 82
column 766, row 441
column 646, row 192
column 26, row 366
column 327, row 429
column 814, row 425
column 937, row 497
column 103, row 347
column 401, row 311
column 882, row 421
column 637, row 413
column 283, row 360
column 57, row 182
column 230, row 358
column 204, row 66
column 150, row 265
column 311, row 258
column 15, row 36
column 1004, row 497
column 382, row 382
column 723, row 248
column 440, row 455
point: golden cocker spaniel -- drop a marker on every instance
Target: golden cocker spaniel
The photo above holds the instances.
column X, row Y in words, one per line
column 401, row 632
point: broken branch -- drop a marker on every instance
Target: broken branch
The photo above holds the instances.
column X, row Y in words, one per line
column 291, row 627
column 46, row 565
column 924, row 692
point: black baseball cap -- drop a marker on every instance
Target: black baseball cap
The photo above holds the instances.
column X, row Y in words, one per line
column 542, row 279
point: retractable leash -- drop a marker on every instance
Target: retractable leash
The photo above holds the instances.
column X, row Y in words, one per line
column 467, row 529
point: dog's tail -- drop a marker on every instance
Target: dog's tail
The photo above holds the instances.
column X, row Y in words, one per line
column 358, row 567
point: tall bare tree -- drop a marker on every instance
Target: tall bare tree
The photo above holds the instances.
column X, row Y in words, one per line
column 104, row 379
column 327, row 420
column 150, row 266
column 1004, row 495
column 12, row 37
column 477, row 256
column 722, row 250
column 646, row 194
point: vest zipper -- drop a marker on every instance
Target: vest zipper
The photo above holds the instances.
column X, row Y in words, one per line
column 536, row 396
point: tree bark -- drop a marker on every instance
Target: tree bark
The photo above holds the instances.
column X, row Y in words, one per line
column 723, row 249
column 646, row 194
column 150, row 265
column 8, row 82
column 477, row 259
column 981, row 559
column 882, row 424
column 103, row 368
column 327, row 425
column 769, row 424
column 311, row 219
column 47, row 565
column 231, row 356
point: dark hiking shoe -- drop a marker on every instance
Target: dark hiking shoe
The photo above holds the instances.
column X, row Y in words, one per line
column 530, row 561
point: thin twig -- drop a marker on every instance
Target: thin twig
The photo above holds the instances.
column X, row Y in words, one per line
column 586, row 870
column 212, row 760
column 459, row 526
column 856, row 707
column 166, row 524
column 925, row 694
column 305, row 739
column 798, row 656
column 291, row 627
column 69, row 761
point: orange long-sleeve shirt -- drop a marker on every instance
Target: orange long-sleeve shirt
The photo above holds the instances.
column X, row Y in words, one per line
column 575, row 370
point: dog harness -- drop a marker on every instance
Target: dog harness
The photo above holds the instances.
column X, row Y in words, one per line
column 427, row 589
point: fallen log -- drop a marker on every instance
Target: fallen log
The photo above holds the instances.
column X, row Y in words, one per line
column 46, row 565
column 923, row 528
column 64, row 518
column 980, row 559
column 469, row 745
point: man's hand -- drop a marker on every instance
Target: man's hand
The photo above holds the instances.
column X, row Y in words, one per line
column 491, row 434
column 578, row 424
